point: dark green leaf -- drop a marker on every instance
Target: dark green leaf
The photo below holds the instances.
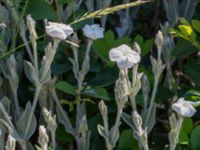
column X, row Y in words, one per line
column 192, row 70
column 196, row 25
column 183, row 138
column 39, row 10
column 97, row 92
column 195, row 138
column 187, row 125
column 65, row 87
column 183, row 49
column 126, row 141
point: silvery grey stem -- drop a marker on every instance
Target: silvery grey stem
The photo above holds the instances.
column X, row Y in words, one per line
column 59, row 10
column 35, row 100
column 24, row 39
column 85, row 66
column 56, row 99
column 53, row 138
column 23, row 146
column 173, row 142
column 15, row 96
column 39, row 85
column 155, row 87
column 134, row 77
column 47, row 67
column 34, row 45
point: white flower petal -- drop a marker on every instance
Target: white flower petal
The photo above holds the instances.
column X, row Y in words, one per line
column 184, row 108
column 58, row 30
column 114, row 54
column 93, row 31
column 124, row 56
column 123, row 62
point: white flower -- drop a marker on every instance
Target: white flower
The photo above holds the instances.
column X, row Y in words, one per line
column 124, row 56
column 184, row 108
column 58, row 30
column 93, row 31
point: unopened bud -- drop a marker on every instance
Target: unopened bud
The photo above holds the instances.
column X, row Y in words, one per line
column 103, row 108
column 137, row 48
column 43, row 138
column 11, row 143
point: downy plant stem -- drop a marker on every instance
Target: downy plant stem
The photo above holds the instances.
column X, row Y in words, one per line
column 81, row 78
column 117, row 122
column 15, row 96
column 39, row 86
column 35, row 100
column 178, row 128
column 53, row 138
column 55, row 46
column 155, row 87
column 134, row 77
column 62, row 111
column 34, row 45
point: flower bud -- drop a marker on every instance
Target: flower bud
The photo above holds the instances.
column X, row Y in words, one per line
column 103, row 109
column 11, row 143
column 43, row 138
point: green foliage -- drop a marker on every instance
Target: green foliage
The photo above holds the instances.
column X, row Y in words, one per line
column 126, row 141
column 195, row 138
column 146, row 45
column 186, row 32
column 65, row 87
column 192, row 70
column 97, row 92
column 39, row 9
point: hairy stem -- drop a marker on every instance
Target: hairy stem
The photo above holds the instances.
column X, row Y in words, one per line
column 37, row 92
column 155, row 87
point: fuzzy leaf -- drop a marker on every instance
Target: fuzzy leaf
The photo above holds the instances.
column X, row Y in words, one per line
column 22, row 122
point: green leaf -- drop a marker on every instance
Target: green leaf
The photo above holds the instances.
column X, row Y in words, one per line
column 147, row 46
column 39, row 10
column 126, row 141
column 183, row 138
column 61, row 135
column 192, row 95
column 139, row 39
column 101, row 48
column 65, row 87
column 196, row 25
column 183, row 49
column 121, row 41
column 187, row 125
column 110, row 37
column 195, row 138
column 105, row 77
column 192, row 70
column 97, row 92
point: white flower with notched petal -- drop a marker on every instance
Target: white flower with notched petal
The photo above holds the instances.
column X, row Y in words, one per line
column 58, row 30
column 124, row 56
column 184, row 108
column 93, row 31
